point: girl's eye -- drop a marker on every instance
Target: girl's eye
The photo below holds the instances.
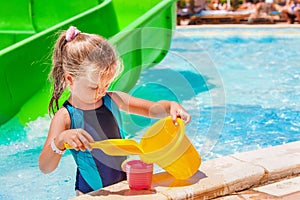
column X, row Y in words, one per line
column 94, row 88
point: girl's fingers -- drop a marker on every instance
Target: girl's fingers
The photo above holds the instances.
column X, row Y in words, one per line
column 177, row 111
column 76, row 140
column 174, row 117
column 85, row 138
column 181, row 113
column 75, row 144
column 186, row 117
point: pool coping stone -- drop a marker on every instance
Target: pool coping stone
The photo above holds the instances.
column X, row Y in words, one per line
column 217, row 177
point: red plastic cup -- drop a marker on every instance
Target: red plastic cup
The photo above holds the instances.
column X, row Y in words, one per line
column 139, row 174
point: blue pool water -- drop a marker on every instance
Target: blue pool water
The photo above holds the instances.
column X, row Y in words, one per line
column 242, row 87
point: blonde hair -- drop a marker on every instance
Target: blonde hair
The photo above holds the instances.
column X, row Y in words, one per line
column 85, row 52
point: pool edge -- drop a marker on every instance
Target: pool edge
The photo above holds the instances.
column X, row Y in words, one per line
column 280, row 25
column 217, row 177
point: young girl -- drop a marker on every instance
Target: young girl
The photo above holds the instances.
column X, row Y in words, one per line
column 87, row 64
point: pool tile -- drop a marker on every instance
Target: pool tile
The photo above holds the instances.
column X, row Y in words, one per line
column 249, row 195
column 293, row 196
column 214, row 178
column 122, row 191
column 278, row 161
column 282, row 188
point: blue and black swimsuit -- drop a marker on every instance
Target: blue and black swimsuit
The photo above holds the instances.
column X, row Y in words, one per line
column 95, row 169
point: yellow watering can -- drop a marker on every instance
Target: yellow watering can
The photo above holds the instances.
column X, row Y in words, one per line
column 163, row 144
column 167, row 146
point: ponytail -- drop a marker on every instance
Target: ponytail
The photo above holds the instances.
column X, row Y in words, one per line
column 57, row 74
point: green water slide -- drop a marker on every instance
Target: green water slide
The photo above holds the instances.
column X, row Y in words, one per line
column 141, row 30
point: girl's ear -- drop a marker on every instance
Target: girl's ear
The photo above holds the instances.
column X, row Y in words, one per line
column 69, row 79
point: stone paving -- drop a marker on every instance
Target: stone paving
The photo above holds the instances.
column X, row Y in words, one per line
column 269, row 173
column 287, row 189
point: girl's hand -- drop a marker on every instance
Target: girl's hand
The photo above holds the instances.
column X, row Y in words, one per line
column 176, row 110
column 79, row 139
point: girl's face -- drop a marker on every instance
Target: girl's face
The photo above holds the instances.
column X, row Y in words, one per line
column 90, row 89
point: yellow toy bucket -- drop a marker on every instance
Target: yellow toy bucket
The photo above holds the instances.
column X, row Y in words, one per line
column 167, row 146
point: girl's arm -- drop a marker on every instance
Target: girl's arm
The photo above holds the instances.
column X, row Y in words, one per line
column 148, row 108
column 60, row 133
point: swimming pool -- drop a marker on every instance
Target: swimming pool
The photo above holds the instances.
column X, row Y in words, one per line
column 241, row 88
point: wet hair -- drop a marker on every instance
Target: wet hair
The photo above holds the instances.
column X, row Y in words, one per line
column 85, row 53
